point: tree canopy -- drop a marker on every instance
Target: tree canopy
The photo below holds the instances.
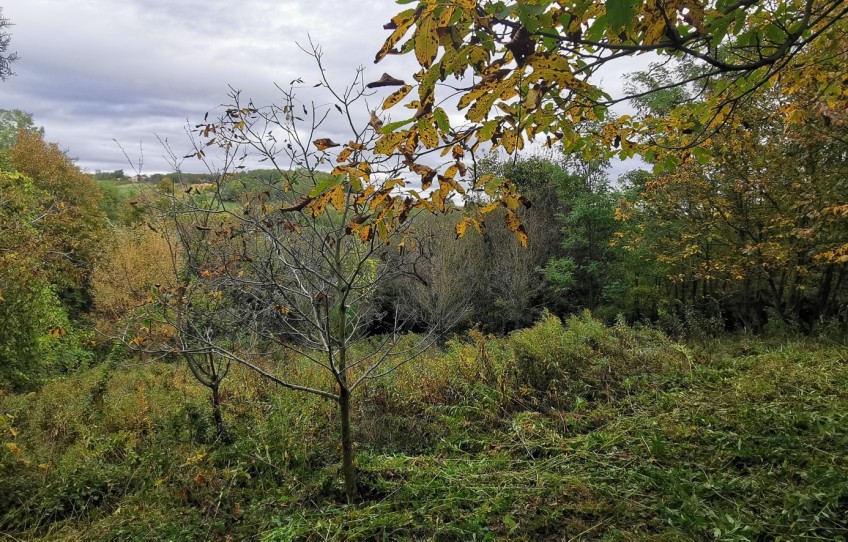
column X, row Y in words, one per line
column 524, row 70
column 6, row 60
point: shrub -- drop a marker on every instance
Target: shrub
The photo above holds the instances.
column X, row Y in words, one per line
column 685, row 321
column 584, row 357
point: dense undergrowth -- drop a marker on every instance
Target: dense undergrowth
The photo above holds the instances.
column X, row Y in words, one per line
column 560, row 431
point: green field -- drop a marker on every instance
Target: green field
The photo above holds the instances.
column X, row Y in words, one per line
column 739, row 439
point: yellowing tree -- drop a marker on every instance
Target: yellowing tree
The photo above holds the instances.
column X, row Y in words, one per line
column 295, row 266
column 523, row 70
column 748, row 221
column 135, row 262
column 72, row 223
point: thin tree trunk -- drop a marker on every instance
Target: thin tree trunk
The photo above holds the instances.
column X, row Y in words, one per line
column 348, row 470
column 217, row 416
column 835, row 293
column 822, row 307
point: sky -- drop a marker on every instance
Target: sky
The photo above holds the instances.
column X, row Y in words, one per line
column 109, row 79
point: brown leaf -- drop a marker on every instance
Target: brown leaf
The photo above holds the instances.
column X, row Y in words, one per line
column 386, row 81
column 324, row 144
column 521, row 45
column 375, row 122
column 355, row 224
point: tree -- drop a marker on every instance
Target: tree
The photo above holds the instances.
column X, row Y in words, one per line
column 6, row 60
column 584, row 269
column 531, row 64
column 441, row 267
column 749, row 220
column 294, row 268
column 510, row 290
column 25, row 296
column 12, row 121
column 50, row 232
column 73, row 226
column 135, row 261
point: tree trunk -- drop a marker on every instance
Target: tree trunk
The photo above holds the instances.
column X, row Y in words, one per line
column 348, row 470
column 217, row 416
column 835, row 293
column 822, row 307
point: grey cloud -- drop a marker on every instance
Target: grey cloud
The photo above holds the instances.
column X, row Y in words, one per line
column 100, row 70
column 96, row 70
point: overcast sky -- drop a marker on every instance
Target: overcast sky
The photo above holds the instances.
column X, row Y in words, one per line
column 94, row 71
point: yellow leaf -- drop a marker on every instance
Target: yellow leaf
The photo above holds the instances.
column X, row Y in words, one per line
column 14, row 448
column 366, row 232
column 509, row 141
column 533, row 99
column 401, row 24
column 396, row 96
column 387, row 143
column 337, row 197
column 447, row 184
column 428, row 134
column 344, row 155
column 463, row 224
column 488, row 208
column 477, row 92
column 426, row 39
column 514, row 224
column 445, row 16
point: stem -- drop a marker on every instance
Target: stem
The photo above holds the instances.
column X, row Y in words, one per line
column 348, row 469
column 217, row 416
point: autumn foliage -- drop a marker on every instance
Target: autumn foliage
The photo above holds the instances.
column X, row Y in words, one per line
column 72, row 224
column 136, row 264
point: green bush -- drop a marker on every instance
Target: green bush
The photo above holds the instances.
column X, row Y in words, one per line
column 584, row 357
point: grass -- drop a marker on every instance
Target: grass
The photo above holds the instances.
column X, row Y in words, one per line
column 743, row 441
column 751, row 448
column 123, row 190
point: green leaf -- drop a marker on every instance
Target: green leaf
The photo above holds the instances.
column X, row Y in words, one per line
column 596, row 31
column 620, row 13
column 442, row 119
column 321, row 187
column 487, row 130
column 392, row 126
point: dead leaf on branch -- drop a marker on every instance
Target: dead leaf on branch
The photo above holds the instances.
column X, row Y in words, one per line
column 324, row 143
column 375, row 122
column 386, row 81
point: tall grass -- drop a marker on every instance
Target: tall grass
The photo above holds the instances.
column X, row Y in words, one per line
column 567, row 430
